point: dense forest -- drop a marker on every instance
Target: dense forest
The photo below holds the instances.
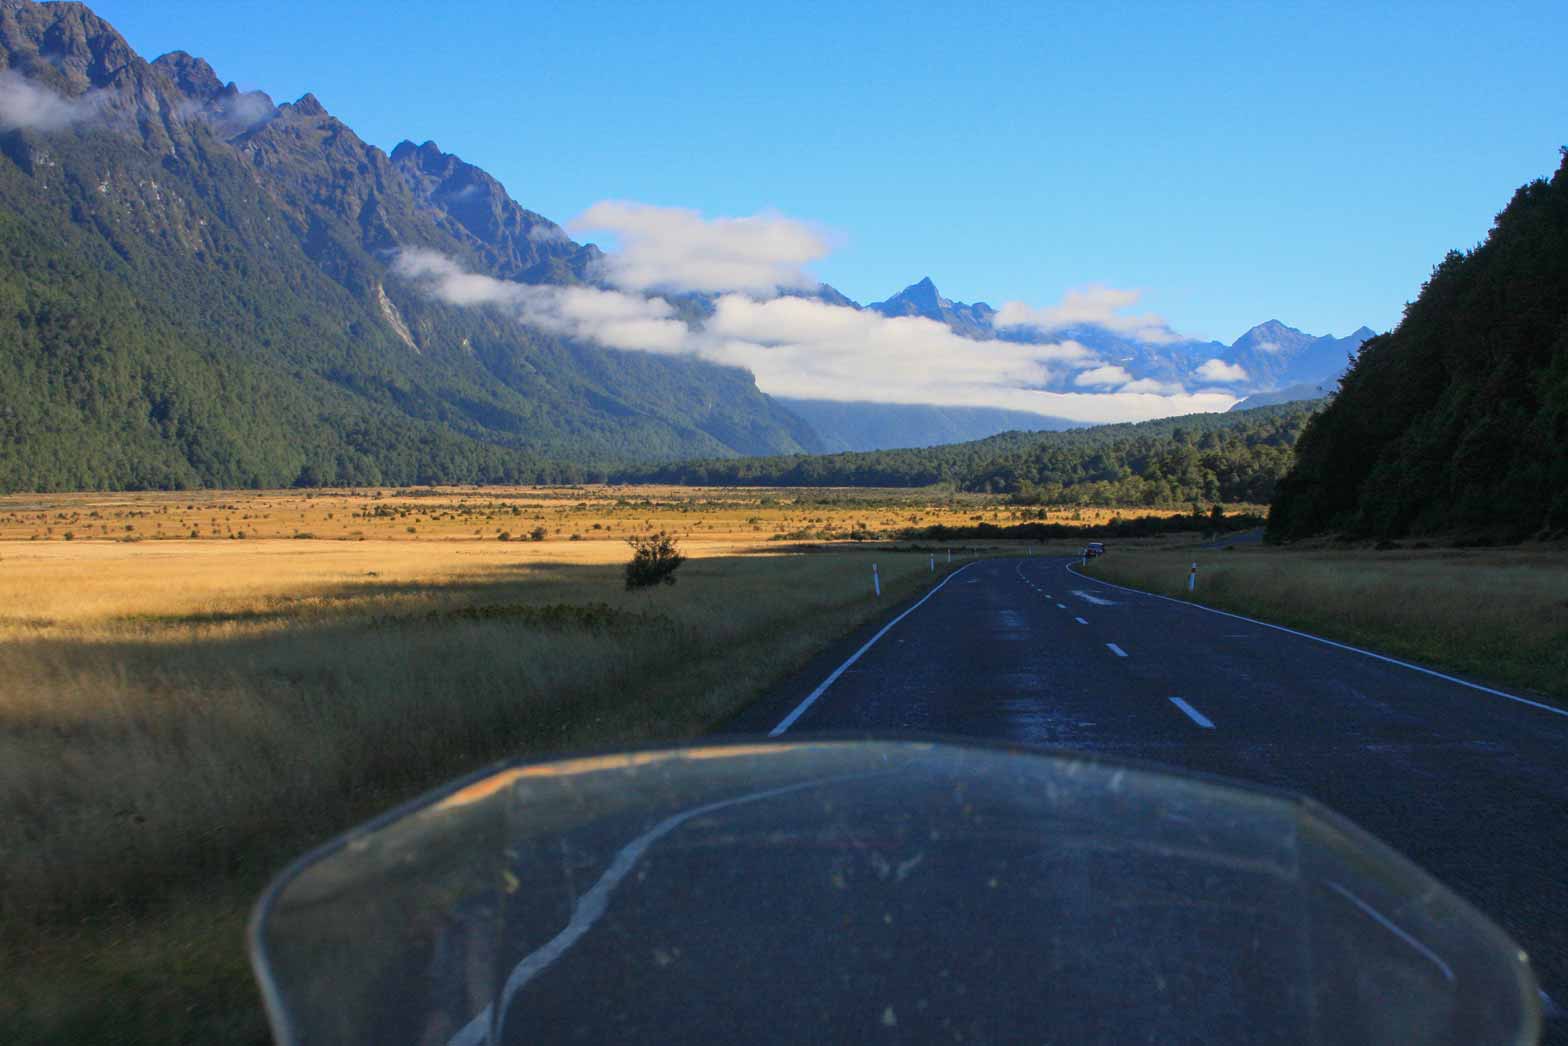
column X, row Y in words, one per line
column 1234, row 457
column 1457, row 421
column 187, row 300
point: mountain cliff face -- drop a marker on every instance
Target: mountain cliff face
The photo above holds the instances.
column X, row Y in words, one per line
column 198, row 291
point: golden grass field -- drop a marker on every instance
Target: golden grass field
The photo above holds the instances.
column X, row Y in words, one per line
column 183, row 709
column 1498, row 615
column 180, row 715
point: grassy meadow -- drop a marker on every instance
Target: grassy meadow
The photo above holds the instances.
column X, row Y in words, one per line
column 1499, row 615
column 199, row 686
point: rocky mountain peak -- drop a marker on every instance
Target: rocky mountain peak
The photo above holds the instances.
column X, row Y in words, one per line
column 918, row 299
column 192, row 75
column 65, row 42
column 308, row 105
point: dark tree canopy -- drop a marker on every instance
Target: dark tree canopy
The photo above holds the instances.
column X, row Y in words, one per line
column 1457, row 421
column 1175, row 461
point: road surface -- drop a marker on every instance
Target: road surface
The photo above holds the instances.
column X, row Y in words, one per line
column 1470, row 785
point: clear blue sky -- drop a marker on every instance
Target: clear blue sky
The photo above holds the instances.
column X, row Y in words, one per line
column 1236, row 164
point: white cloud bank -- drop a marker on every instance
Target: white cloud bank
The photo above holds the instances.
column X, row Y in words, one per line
column 675, row 250
column 611, row 318
column 808, row 349
column 1100, row 306
column 28, row 105
column 1220, row 372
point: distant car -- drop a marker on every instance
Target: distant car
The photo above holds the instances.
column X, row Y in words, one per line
column 1094, row 548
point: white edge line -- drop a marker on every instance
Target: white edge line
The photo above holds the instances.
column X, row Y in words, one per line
column 1390, row 926
column 822, row 687
column 1118, row 651
column 1333, row 643
column 1193, row 714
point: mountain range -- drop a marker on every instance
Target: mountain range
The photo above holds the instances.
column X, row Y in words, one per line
column 200, row 289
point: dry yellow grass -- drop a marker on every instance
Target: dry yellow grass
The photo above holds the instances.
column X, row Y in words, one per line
column 1495, row 614
column 737, row 515
column 178, row 716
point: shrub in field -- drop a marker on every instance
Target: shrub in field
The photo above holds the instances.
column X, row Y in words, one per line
column 654, row 560
column 538, row 533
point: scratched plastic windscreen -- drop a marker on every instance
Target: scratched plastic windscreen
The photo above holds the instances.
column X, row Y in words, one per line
column 874, row 891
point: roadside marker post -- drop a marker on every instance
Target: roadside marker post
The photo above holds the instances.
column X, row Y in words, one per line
column 933, row 562
column 1192, row 578
column 949, row 555
column 876, row 581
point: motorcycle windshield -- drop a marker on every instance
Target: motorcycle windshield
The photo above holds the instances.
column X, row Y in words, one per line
column 874, row 891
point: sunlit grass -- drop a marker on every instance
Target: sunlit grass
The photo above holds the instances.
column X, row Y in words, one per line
column 180, row 717
column 1497, row 614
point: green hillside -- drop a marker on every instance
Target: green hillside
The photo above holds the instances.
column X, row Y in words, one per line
column 192, row 298
column 1457, row 421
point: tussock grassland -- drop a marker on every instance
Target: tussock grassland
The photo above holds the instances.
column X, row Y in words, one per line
column 179, row 716
column 1498, row 615
column 478, row 514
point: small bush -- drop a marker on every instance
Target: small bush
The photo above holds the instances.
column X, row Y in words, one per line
column 654, row 561
column 538, row 533
column 505, row 535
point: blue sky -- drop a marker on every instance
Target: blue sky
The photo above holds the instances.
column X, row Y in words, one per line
column 1233, row 163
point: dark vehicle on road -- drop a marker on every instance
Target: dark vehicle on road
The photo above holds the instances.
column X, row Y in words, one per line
column 1094, row 548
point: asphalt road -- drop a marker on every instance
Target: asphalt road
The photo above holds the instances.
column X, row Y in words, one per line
column 1470, row 785
column 892, row 900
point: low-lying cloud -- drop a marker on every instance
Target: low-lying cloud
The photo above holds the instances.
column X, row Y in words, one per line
column 1096, row 305
column 29, row 105
column 669, row 249
column 1220, row 372
column 805, row 348
column 1104, row 375
column 611, row 318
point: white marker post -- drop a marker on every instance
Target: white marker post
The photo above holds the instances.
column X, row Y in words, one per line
column 949, row 555
column 1192, row 578
column 876, row 581
column 933, row 562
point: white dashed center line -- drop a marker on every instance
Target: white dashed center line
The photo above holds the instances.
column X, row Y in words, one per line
column 1061, row 606
column 1080, row 620
column 1118, row 651
column 1193, row 714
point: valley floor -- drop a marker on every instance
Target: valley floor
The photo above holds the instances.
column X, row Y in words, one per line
column 185, row 709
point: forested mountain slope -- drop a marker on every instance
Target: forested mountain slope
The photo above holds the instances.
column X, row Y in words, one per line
column 1458, row 419
column 196, row 289
column 1226, row 457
